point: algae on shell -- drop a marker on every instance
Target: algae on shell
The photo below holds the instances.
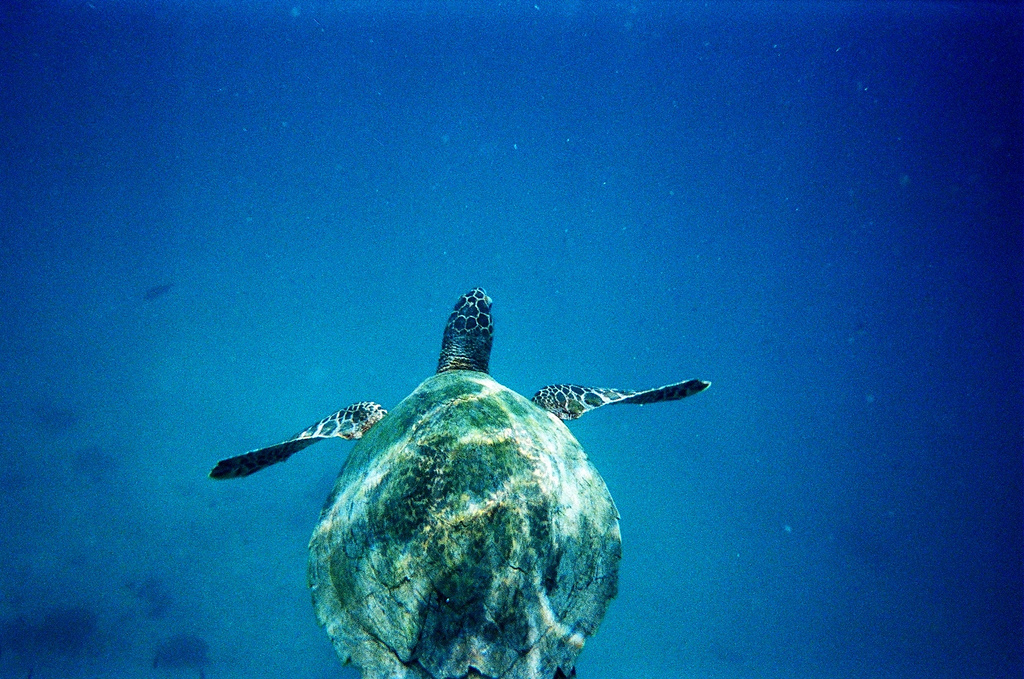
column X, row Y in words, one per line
column 467, row 532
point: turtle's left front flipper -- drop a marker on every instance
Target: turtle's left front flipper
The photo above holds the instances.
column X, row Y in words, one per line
column 349, row 423
column 569, row 401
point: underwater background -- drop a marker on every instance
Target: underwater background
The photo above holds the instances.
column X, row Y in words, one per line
column 220, row 222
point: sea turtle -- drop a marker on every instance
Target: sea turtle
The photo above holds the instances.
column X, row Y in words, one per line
column 467, row 534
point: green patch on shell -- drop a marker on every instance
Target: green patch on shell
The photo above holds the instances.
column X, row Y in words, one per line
column 467, row 529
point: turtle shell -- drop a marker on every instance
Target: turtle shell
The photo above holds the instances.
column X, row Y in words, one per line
column 467, row 535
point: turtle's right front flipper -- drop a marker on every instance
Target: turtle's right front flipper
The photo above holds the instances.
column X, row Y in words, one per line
column 350, row 423
column 569, row 401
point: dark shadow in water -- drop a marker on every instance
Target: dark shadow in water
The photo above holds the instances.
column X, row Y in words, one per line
column 55, row 419
column 182, row 651
column 94, row 464
column 17, row 637
column 152, row 593
column 157, row 291
column 66, row 631
column 12, row 481
column 63, row 631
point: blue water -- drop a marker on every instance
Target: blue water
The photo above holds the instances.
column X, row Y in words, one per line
column 818, row 207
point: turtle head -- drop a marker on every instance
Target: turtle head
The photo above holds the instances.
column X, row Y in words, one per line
column 469, row 334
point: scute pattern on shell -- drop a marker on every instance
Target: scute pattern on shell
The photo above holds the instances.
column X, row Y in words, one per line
column 467, row 531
